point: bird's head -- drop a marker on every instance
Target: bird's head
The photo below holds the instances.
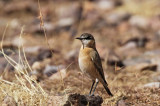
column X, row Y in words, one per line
column 87, row 40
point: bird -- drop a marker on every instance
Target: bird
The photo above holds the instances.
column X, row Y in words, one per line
column 90, row 62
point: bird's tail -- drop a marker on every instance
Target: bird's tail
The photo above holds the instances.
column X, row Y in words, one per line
column 107, row 89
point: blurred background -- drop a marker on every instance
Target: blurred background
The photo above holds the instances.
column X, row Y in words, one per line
column 127, row 34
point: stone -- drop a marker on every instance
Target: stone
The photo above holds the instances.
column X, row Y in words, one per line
column 35, row 27
column 139, row 22
column 59, row 75
column 14, row 23
column 108, row 4
column 83, row 100
column 114, row 59
column 49, row 69
column 155, row 23
column 157, row 78
column 32, row 50
column 105, row 4
column 9, row 101
column 128, row 50
column 136, row 61
column 40, row 53
column 157, row 36
column 152, row 67
column 146, row 61
column 20, row 6
column 121, row 102
column 65, row 22
column 71, row 18
column 17, row 41
column 117, row 18
column 153, row 85
column 72, row 55
column 139, row 41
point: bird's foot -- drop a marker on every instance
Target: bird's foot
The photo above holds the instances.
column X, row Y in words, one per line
column 91, row 94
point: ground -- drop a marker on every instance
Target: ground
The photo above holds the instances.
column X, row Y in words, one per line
column 127, row 38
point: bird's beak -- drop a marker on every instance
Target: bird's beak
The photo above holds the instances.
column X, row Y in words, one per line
column 79, row 38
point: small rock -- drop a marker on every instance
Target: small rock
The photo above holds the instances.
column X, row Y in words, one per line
column 4, row 65
column 49, row 70
column 108, row 4
column 152, row 53
column 44, row 53
column 60, row 74
column 34, row 27
column 155, row 23
column 157, row 36
column 73, row 10
column 32, row 50
column 157, row 78
column 9, row 101
column 118, row 2
column 105, row 4
column 83, row 100
column 14, row 23
column 70, row 18
column 72, row 55
column 139, row 41
column 143, row 66
column 65, row 22
column 121, row 103
column 147, row 61
column 114, row 59
column 20, row 6
column 17, row 41
column 154, row 57
column 152, row 67
column 153, row 85
column 128, row 50
column 136, row 61
column 38, row 66
column 139, row 22
column 8, row 48
column 117, row 18
column 40, row 53
column 37, row 73
column 37, row 53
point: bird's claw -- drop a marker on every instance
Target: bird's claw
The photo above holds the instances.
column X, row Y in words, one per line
column 92, row 94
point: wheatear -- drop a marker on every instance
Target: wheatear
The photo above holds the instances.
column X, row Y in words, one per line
column 90, row 62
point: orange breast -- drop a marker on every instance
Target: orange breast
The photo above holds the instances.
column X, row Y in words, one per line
column 86, row 64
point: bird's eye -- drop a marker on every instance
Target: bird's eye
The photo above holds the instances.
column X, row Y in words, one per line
column 88, row 38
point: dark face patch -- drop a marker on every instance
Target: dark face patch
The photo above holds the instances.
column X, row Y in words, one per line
column 87, row 36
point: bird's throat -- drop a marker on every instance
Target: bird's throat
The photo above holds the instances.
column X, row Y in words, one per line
column 83, row 45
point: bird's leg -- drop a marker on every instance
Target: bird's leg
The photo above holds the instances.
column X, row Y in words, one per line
column 95, row 86
column 91, row 87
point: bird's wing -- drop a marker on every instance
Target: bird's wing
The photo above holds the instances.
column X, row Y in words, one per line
column 97, row 62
